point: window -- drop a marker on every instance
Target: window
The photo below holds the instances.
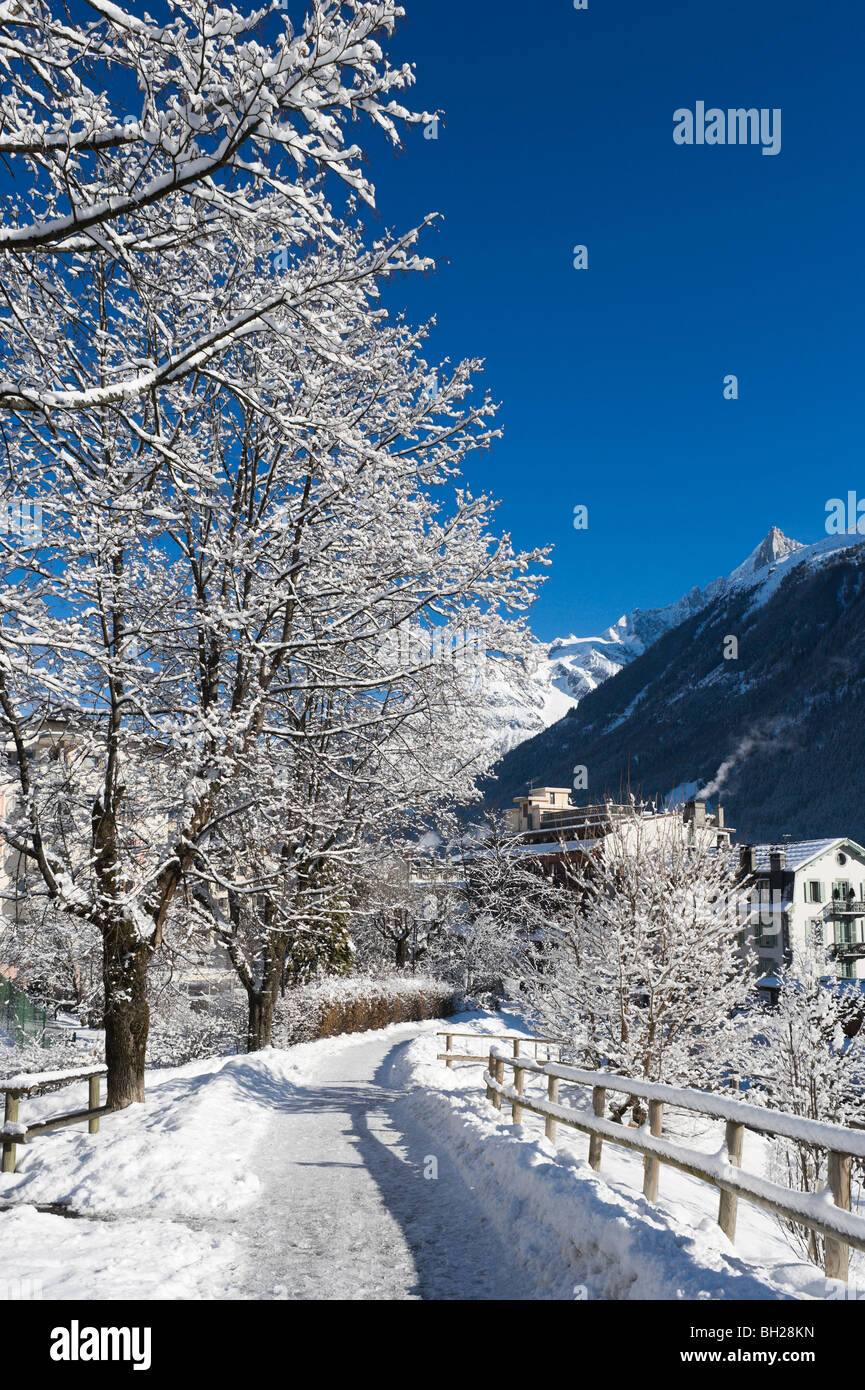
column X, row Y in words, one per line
column 766, row 934
column 848, row 970
column 813, row 891
column 815, row 927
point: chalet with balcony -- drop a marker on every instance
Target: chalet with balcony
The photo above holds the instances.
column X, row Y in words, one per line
column 804, row 896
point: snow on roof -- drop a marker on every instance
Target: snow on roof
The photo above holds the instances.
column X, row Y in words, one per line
column 798, row 853
column 552, row 846
column 544, row 847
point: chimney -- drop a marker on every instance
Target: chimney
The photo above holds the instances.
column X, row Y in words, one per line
column 748, row 859
column 719, row 818
column 695, row 812
column 777, row 860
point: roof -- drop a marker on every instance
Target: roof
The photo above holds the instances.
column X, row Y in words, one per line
column 534, row 792
column 547, row 847
column 799, row 853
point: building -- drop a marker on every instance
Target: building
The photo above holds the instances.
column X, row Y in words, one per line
column 547, row 822
column 804, row 896
column 796, row 898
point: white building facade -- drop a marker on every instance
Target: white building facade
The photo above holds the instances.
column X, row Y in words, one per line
column 805, row 897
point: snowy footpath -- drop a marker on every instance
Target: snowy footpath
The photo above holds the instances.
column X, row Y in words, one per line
column 356, row 1168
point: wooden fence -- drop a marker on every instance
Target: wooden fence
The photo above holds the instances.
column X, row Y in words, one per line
column 14, row 1133
column 841, row 1229
column 518, row 1042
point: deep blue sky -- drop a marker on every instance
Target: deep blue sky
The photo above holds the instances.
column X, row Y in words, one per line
column 703, row 261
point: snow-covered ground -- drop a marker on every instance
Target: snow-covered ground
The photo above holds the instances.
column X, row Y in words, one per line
column 573, row 666
column 360, row 1167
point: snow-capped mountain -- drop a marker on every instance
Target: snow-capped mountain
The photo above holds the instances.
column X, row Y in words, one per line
column 775, row 728
column 573, row 666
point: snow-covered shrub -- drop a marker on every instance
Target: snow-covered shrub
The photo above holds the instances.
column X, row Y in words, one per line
column 66, row 1052
column 185, row 1027
column 214, row 1033
column 326, row 1008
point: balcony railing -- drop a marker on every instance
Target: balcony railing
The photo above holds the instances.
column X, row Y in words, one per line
column 848, row 948
column 845, row 907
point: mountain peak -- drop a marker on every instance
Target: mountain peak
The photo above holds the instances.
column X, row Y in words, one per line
column 776, row 546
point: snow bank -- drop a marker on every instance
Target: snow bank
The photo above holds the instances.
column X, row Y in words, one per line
column 575, row 1230
column 185, row 1150
column 233, row 1173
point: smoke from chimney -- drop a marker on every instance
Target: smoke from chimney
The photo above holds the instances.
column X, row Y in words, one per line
column 750, row 743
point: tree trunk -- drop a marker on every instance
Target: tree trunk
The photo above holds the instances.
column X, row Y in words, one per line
column 259, row 1032
column 127, row 1014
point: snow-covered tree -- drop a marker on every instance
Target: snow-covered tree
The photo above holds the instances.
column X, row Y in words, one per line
column 399, row 909
column 810, row 1055
column 57, row 959
column 268, row 887
column 648, row 976
column 131, row 141
column 195, row 614
column 511, row 902
column 246, row 476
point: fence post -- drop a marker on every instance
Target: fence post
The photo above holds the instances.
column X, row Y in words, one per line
column 516, row 1047
column 517, row 1110
column 449, row 1048
column 11, row 1118
column 596, row 1143
column 553, row 1095
column 93, row 1103
column 651, row 1166
column 837, row 1253
column 500, row 1078
column 728, row 1206
column 491, row 1095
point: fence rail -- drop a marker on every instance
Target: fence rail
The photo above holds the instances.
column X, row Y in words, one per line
column 841, row 1229
column 517, row 1040
column 14, row 1133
